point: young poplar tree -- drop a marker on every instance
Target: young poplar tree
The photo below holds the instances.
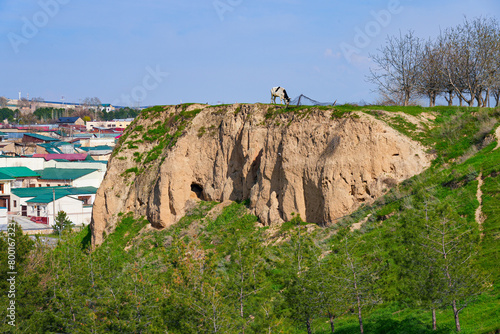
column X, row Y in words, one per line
column 301, row 292
column 356, row 270
column 441, row 267
column 419, row 282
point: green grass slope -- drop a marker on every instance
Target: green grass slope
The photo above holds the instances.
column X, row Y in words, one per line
column 219, row 271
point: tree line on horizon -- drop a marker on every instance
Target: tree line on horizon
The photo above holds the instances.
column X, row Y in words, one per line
column 88, row 110
column 462, row 62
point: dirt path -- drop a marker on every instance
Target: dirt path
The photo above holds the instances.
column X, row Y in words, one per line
column 357, row 226
column 479, row 210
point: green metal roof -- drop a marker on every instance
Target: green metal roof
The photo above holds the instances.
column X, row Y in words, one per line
column 82, row 190
column 97, row 148
column 45, row 138
column 47, row 192
column 64, row 173
column 47, row 198
column 82, row 135
column 54, row 147
column 18, row 172
column 4, row 177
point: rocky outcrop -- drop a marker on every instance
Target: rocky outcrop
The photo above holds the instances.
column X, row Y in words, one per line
column 303, row 162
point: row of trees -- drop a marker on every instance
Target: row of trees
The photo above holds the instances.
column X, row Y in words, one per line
column 223, row 276
column 31, row 111
column 462, row 62
column 51, row 115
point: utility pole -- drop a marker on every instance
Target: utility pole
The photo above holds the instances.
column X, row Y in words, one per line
column 54, row 206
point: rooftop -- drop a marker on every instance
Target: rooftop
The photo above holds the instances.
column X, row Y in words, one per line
column 5, row 177
column 70, row 120
column 34, row 192
column 47, row 194
column 21, row 171
column 44, row 138
column 66, row 157
column 64, row 173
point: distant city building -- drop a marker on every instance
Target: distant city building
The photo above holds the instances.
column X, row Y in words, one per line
column 107, row 107
column 31, row 105
column 114, row 124
column 33, row 138
column 70, row 121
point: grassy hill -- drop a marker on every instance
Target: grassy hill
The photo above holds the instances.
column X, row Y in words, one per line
column 219, row 271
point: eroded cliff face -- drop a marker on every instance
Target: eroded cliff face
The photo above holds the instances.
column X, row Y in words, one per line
column 306, row 163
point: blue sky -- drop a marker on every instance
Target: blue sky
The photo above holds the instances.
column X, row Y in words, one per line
column 164, row 52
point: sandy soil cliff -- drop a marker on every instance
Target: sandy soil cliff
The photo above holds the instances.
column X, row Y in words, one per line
column 307, row 163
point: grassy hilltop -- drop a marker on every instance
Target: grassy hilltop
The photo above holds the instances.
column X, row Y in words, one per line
column 218, row 271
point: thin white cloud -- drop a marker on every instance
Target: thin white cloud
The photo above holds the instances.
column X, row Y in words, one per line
column 330, row 54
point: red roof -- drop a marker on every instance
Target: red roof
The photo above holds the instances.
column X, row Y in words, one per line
column 36, row 128
column 69, row 157
column 73, row 126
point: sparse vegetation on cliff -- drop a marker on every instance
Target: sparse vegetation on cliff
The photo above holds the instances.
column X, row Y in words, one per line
column 219, row 268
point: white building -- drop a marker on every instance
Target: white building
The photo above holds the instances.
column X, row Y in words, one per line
column 116, row 123
column 39, row 204
column 74, row 177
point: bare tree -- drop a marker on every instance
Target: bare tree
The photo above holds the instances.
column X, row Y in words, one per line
column 463, row 62
column 430, row 79
column 446, row 86
column 23, row 103
column 468, row 62
column 493, row 73
column 3, row 102
column 35, row 102
column 398, row 65
column 28, row 118
column 92, row 104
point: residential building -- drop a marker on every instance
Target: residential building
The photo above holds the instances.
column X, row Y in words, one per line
column 41, row 205
column 104, row 125
column 33, row 138
column 101, row 153
column 14, row 177
column 7, row 148
column 70, row 121
column 64, row 157
column 23, row 176
column 5, row 188
column 52, row 177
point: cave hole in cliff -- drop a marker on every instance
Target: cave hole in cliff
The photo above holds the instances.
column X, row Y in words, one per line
column 198, row 191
